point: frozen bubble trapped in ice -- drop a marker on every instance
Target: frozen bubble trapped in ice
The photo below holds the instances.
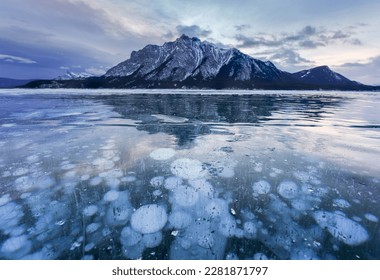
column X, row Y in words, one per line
column 202, row 186
column 152, row 240
column 4, row 199
column 341, row 227
column 260, row 256
column 371, row 217
column 187, row 168
column 261, row 187
column 217, row 208
column 162, row 154
column 341, row 203
column 157, row 181
column 185, row 196
column 172, row 182
column 149, row 218
column 103, row 163
column 90, row 210
column 16, row 247
column 179, row 219
column 111, row 195
column 119, row 210
column 129, row 237
column 288, row 189
column 95, row 181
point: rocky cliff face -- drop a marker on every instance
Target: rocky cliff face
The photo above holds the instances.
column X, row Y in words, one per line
column 189, row 59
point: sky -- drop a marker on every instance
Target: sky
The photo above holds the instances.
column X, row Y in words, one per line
column 46, row 38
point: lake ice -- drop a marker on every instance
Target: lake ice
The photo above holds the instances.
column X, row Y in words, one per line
column 150, row 174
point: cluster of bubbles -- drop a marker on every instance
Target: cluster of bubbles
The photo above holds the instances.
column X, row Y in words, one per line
column 192, row 217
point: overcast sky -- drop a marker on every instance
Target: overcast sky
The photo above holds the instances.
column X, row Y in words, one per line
column 46, row 38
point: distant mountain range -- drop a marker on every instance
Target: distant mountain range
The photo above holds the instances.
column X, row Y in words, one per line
column 11, row 83
column 73, row 76
column 189, row 63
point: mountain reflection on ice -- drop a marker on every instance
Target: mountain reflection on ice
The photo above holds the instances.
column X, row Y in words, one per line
column 189, row 176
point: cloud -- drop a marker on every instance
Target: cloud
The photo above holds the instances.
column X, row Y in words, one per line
column 242, row 27
column 256, row 41
column 96, row 71
column 16, row 59
column 309, row 37
column 290, row 57
column 193, row 31
column 366, row 72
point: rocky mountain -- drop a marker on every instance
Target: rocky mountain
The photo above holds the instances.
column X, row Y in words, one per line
column 189, row 63
column 323, row 75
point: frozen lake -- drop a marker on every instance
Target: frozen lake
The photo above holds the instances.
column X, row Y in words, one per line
column 151, row 174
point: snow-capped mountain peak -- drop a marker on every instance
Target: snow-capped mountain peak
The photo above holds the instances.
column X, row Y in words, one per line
column 189, row 58
column 73, row 76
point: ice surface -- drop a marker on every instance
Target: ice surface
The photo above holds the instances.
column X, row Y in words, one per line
column 72, row 179
column 341, row 227
column 149, row 218
column 162, row 154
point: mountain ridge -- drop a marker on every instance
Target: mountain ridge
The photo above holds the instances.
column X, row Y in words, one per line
column 11, row 83
column 190, row 63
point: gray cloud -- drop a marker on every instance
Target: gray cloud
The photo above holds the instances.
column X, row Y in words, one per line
column 193, row 31
column 309, row 37
column 242, row 27
column 309, row 44
column 365, row 72
column 255, row 41
column 308, row 30
column 290, row 57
